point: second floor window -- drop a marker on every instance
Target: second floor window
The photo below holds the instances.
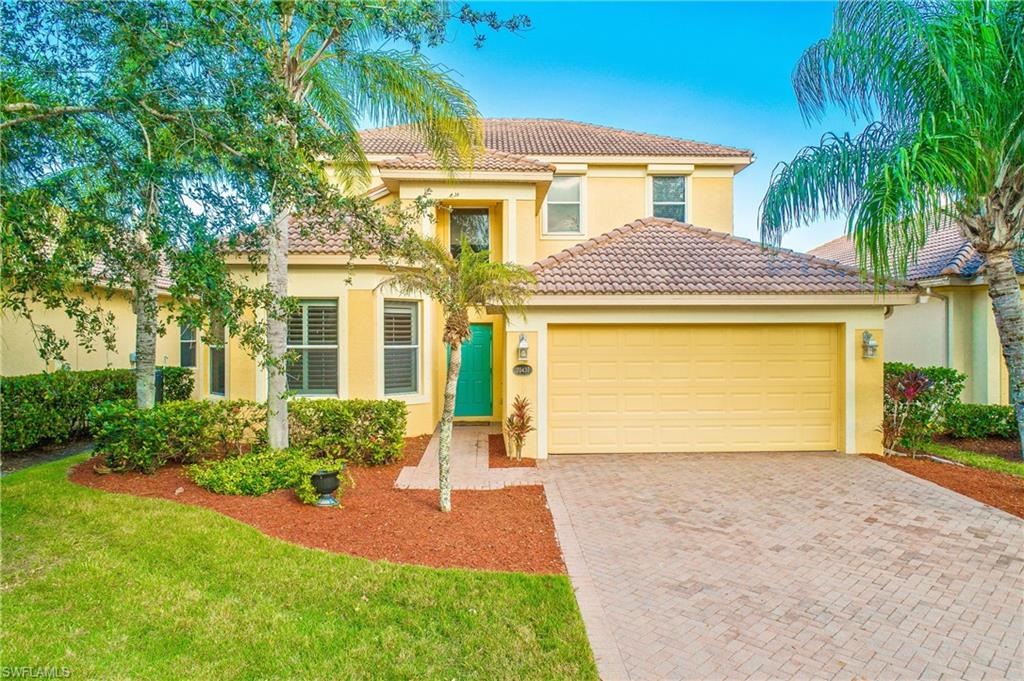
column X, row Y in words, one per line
column 401, row 347
column 669, row 197
column 188, row 346
column 565, row 209
column 473, row 225
column 313, row 342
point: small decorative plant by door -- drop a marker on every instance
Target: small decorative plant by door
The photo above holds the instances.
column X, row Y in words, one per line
column 519, row 424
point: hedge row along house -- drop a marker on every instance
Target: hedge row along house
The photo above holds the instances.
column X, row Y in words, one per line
column 651, row 328
column 19, row 353
column 953, row 326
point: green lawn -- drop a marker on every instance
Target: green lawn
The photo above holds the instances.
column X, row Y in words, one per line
column 117, row 586
column 975, row 460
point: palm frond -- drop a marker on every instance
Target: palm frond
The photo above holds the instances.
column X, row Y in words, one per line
column 405, row 88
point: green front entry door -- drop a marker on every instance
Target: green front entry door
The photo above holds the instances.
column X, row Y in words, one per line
column 473, row 397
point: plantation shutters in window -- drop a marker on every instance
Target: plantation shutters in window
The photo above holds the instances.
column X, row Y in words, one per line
column 313, row 342
column 401, row 347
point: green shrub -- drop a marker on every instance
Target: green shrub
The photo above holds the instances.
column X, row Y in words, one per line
column 264, row 471
column 909, row 422
column 133, row 439
column 981, row 421
column 368, row 432
column 178, row 383
column 129, row 438
column 54, row 407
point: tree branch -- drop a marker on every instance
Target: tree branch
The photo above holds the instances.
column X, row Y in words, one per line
column 42, row 114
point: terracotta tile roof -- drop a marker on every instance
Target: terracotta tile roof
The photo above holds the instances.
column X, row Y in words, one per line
column 546, row 136
column 945, row 252
column 657, row 256
column 488, row 160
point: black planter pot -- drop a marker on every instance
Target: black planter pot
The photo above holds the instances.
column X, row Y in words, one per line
column 326, row 483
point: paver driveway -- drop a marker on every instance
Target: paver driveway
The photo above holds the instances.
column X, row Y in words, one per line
column 786, row 566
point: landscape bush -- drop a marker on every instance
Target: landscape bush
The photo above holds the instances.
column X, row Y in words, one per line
column 915, row 402
column 54, row 407
column 980, row 421
column 263, row 471
column 367, row 432
column 143, row 440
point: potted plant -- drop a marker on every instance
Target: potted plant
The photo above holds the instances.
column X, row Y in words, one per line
column 518, row 424
column 326, row 484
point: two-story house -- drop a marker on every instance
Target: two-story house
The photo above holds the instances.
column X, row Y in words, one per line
column 652, row 328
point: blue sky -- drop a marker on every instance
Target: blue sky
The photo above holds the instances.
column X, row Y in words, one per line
column 715, row 72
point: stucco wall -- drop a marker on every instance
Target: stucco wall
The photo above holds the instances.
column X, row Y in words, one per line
column 20, row 353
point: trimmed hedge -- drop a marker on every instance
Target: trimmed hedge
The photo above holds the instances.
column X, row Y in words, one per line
column 981, row 421
column 133, row 439
column 368, row 432
column 54, row 407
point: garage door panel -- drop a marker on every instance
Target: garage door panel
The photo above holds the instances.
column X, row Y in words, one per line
column 693, row 388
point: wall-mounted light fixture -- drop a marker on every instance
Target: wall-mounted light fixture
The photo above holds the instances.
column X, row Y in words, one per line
column 132, row 359
column 523, row 349
column 869, row 344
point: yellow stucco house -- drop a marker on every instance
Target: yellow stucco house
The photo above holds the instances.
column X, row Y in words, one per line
column 952, row 325
column 19, row 352
column 652, row 328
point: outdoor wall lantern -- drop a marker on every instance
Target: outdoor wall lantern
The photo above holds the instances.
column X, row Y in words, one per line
column 523, row 348
column 870, row 345
column 132, row 359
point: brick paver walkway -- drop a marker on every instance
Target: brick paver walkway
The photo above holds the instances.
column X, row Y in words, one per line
column 469, row 464
column 808, row 566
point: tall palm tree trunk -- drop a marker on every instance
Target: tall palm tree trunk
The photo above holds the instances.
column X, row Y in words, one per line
column 447, row 416
column 1004, row 291
column 277, row 332
column 146, row 324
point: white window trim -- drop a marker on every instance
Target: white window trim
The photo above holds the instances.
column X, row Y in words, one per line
column 426, row 349
column 312, row 302
column 688, row 188
column 566, row 236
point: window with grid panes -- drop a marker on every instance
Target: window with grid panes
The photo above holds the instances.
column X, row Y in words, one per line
column 401, row 347
column 313, row 346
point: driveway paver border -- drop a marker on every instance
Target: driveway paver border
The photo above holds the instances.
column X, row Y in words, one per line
column 606, row 651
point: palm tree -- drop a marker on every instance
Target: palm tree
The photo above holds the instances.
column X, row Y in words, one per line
column 943, row 83
column 328, row 58
column 459, row 284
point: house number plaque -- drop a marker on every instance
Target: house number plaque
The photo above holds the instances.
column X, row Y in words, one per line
column 522, row 370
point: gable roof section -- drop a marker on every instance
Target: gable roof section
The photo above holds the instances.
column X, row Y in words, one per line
column 556, row 137
column 658, row 256
column 487, row 161
column 945, row 253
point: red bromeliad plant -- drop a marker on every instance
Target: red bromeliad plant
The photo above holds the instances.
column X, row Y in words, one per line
column 904, row 421
column 519, row 424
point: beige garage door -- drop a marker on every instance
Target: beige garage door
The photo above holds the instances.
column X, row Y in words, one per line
column 694, row 388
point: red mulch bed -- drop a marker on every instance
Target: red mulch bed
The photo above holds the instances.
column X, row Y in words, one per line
column 497, row 457
column 508, row 530
column 993, row 446
column 1003, row 491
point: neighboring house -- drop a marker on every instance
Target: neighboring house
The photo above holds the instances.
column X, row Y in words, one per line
column 953, row 324
column 645, row 334
column 19, row 351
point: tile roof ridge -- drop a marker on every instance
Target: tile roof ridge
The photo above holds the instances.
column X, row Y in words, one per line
column 842, row 238
column 587, row 245
column 825, row 263
column 960, row 258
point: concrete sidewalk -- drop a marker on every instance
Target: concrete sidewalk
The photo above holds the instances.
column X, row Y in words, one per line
column 469, row 467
